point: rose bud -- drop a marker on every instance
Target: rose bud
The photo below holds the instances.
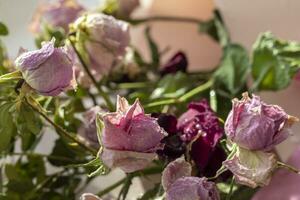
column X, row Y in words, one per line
column 177, row 63
column 49, row 70
column 276, row 189
column 179, row 184
column 252, row 168
column 89, row 196
column 126, row 7
column 57, row 14
column 88, row 131
column 255, row 125
column 130, row 137
column 102, row 41
column 200, row 121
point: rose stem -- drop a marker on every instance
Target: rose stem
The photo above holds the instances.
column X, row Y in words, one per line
column 62, row 131
column 147, row 171
column 228, row 196
column 183, row 98
column 101, row 92
column 165, row 18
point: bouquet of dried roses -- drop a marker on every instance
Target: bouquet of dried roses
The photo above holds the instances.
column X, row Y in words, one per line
column 206, row 133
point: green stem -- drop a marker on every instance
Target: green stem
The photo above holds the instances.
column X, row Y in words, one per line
column 46, row 156
column 288, row 167
column 62, row 131
column 228, row 196
column 147, row 171
column 165, row 18
column 88, row 72
column 183, row 98
column 134, row 85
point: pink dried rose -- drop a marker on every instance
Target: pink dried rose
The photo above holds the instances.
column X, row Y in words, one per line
column 252, row 168
column 255, row 125
column 103, row 43
column 88, row 131
column 49, row 70
column 56, row 14
column 179, row 184
column 130, row 137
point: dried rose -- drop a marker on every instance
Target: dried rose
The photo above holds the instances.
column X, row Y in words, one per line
column 130, row 137
column 102, row 41
column 255, row 125
column 57, row 14
column 200, row 121
column 252, row 168
column 179, row 184
column 49, row 70
column 177, row 63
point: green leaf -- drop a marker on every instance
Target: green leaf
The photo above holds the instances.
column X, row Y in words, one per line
column 172, row 86
column 155, row 55
column 3, row 29
column 274, row 62
column 231, row 76
column 7, row 126
column 216, row 29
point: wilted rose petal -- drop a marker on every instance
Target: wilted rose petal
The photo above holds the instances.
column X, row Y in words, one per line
column 252, row 168
column 89, row 196
column 284, row 184
column 175, row 170
column 255, row 125
column 105, row 41
column 49, row 70
column 129, row 129
column 192, row 188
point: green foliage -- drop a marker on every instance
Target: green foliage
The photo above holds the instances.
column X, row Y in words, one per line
column 7, row 126
column 216, row 29
column 155, row 55
column 274, row 62
column 3, row 29
column 233, row 71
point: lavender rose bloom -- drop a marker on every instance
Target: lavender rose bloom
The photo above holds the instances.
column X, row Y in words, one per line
column 88, row 131
column 104, row 42
column 200, row 121
column 255, row 125
column 179, row 184
column 49, row 70
column 130, row 137
column 57, row 14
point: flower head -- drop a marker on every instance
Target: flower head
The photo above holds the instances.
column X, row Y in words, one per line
column 255, row 125
column 103, row 40
column 179, row 184
column 57, row 14
column 200, row 121
column 130, row 137
column 49, row 70
column 177, row 63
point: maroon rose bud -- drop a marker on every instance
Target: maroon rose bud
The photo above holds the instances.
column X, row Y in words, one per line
column 167, row 122
column 200, row 121
column 255, row 125
column 177, row 63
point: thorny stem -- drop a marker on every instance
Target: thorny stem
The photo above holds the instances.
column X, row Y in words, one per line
column 62, row 131
column 88, row 72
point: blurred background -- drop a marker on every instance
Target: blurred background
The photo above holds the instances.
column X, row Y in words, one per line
column 245, row 20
